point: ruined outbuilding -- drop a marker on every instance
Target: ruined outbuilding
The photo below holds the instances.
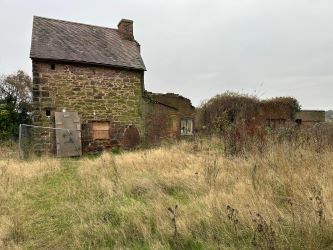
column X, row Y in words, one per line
column 98, row 72
column 168, row 116
column 307, row 118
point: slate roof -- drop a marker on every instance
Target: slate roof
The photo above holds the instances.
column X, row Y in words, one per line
column 75, row 42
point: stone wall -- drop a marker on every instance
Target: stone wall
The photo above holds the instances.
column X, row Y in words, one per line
column 95, row 92
column 161, row 122
column 163, row 114
column 310, row 117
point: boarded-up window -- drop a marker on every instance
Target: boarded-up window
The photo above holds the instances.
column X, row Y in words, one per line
column 186, row 126
column 100, row 130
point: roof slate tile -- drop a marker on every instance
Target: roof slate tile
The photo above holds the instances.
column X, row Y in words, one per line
column 75, row 42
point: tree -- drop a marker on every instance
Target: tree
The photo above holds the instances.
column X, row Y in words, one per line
column 15, row 103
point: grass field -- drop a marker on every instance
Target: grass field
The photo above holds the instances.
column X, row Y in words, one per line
column 185, row 195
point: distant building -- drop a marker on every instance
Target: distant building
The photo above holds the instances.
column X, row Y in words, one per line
column 329, row 115
column 310, row 117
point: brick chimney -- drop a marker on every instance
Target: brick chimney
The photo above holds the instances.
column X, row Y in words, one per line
column 125, row 28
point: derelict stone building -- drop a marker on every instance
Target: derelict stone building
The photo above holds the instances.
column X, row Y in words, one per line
column 167, row 116
column 97, row 73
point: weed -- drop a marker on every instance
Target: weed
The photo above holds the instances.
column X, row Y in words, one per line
column 254, row 177
column 15, row 233
column 232, row 215
column 263, row 235
column 317, row 198
column 211, row 171
column 292, row 210
column 173, row 212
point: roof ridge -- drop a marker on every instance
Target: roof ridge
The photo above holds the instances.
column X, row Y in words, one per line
column 72, row 22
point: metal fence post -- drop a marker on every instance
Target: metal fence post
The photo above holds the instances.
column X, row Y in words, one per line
column 20, row 138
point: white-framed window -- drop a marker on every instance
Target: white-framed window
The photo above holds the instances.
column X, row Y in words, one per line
column 186, row 126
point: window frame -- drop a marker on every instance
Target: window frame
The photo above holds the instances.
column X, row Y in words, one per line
column 186, row 119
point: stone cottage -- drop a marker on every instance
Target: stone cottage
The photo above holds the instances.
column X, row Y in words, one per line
column 98, row 72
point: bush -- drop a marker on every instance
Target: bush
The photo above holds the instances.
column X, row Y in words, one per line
column 284, row 107
column 226, row 109
column 241, row 119
column 230, row 108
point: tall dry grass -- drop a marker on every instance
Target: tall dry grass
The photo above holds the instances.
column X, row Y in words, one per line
column 186, row 195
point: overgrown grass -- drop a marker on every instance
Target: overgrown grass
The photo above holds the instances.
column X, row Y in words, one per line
column 186, row 195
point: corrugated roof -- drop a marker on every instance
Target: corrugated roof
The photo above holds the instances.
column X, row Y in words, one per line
column 75, row 42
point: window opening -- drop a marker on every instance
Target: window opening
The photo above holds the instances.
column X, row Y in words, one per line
column 186, row 126
column 48, row 112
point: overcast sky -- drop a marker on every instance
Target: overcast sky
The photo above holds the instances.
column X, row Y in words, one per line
column 199, row 48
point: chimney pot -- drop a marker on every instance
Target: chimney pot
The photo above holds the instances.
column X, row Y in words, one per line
column 125, row 28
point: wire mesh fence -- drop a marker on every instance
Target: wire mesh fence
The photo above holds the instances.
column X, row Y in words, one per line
column 38, row 140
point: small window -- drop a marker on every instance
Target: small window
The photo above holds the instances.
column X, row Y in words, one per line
column 186, row 126
column 48, row 112
column 52, row 66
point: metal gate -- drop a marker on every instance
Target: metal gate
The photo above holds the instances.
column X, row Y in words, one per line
column 68, row 139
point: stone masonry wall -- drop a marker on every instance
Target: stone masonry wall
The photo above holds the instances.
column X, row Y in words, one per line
column 113, row 94
column 161, row 121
